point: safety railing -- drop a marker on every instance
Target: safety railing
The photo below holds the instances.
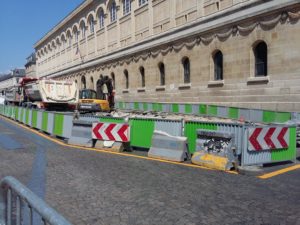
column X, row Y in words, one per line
column 17, row 202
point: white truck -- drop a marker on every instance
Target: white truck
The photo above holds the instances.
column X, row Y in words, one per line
column 47, row 94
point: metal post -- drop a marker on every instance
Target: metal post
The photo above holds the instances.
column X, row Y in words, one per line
column 8, row 215
column 18, row 211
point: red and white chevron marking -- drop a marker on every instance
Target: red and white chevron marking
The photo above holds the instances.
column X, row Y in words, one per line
column 111, row 132
column 268, row 138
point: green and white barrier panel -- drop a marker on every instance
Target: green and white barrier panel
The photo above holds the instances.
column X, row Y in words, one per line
column 254, row 115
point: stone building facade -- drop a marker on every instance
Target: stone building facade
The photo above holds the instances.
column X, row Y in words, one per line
column 11, row 79
column 241, row 53
column 30, row 66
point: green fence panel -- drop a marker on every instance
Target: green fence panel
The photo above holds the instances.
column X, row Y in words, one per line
column 286, row 154
column 175, row 108
column 58, row 128
column 233, row 113
column 17, row 113
column 111, row 120
column 45, row 121
column 34, row 119
column 269, row 116
column 141, row 131
column 145, row 106
column 136, row 106
column 212, row 110
column 27, row 116
column 282, row 117
column 22, row 115
column 188, row 108
column 190, row 131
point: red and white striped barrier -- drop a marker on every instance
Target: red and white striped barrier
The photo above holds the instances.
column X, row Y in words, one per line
column 111, row 132
column 268, row 138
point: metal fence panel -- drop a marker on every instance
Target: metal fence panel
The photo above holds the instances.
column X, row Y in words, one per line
column 237, row 130
column 190, row 131
column 171, row 127
column 223, row 111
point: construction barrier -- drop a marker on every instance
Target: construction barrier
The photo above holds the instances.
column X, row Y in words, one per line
column 81, row 134
column 215, row 149
column 254, row 115
column 168, row 147
column 141, row 129
column 269, row 144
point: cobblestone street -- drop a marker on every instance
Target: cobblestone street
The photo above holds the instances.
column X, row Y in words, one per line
column 92, row 188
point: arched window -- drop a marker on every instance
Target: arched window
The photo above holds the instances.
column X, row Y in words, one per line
column 142, row 2
column 75, row 34
column 186, row 70
column 126, row 7
column 83, row 82
column 69, row 37
column 126, row 79
column 261, row 59
column 113, row 12
column 142, row 72
column 92, row 83
column 101, row 18
column 114, row 80
column 82, row 30
column 161, row 67
column 218, row 65
column 91, row 24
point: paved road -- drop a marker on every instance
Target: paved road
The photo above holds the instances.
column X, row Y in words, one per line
column 97, row 188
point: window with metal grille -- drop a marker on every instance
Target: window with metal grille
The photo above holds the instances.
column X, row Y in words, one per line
column 261, row 59
column 113, row 12
column 126, row 79
column 186, row 70
column 161, row 67
column 142, row 72
column 126, row 7
column 142, row 2
column 218, row 65
column 101, row 18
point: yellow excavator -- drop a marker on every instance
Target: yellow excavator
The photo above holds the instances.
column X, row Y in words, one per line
column 101, row 100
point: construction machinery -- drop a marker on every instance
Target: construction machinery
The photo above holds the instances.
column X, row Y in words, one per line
column 43, row 94
column 101, row 100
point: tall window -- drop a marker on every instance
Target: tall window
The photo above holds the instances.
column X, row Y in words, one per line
column 69, row 40
column 161, row 67
column 82, row 30
column 101, row 18
column 113, row 12
column 91, row 23
column 92, row 83
column 261, row 59
column 142, row 72
column 75, row 34
column 126, row 79
column 126, row 6
column 186, row 70
column 218, row 65
column 114, row 80
column 83, row 82
column 142, row 2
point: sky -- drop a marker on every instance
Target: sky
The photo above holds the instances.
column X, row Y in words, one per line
column 23, row 23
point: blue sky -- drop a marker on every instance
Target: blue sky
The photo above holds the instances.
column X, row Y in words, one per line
column 23, row 23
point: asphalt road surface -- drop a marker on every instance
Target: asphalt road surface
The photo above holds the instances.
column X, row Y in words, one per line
column 95, row 188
